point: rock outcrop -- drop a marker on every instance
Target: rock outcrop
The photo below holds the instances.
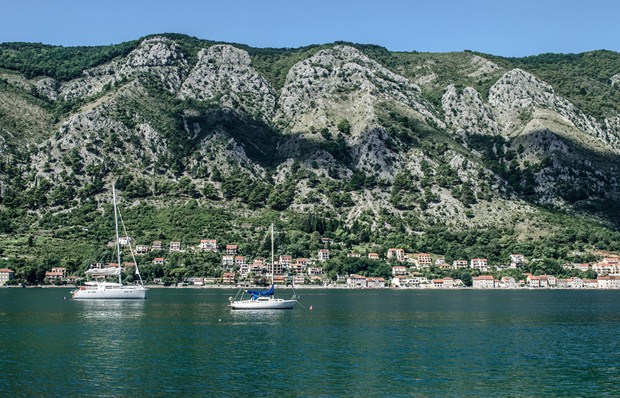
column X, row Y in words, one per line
column 224, row 76
column 158, row 57
column 342, row 83
column 466, row 112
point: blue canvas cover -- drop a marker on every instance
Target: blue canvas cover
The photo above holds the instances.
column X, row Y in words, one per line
column 256, row 293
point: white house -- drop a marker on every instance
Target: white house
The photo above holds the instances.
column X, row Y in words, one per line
column 6, row 275
column 479, row 264
column 356, row 281
column 483, row 282
column 397, row 254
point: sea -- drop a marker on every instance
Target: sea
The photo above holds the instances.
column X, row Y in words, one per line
column 335, row 343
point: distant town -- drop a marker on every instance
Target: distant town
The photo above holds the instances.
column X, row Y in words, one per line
column 407, row 270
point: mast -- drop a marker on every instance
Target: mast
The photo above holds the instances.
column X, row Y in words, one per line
column 272, row 258
column 118, row 245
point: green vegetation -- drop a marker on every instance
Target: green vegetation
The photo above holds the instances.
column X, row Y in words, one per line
column 217, row 173
column 585, row 79
column 62, row 63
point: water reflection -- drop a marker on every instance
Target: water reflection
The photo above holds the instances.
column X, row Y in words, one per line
column 242, row 317
column 111, row 309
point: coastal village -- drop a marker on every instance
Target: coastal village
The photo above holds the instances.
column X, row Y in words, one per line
column 407, row 269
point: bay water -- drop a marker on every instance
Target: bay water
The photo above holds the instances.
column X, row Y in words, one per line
column 187, row 342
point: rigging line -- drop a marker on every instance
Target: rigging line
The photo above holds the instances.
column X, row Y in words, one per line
column 130, row 247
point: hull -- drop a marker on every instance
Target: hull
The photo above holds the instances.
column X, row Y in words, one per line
column 273, row 304
column 110, row 293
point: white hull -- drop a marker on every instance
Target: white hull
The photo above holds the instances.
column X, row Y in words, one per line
column 269, row 304
column 103, row 292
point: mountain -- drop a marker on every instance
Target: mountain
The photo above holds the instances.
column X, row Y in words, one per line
column 462, row 154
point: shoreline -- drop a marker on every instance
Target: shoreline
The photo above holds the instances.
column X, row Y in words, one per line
column 316, row 287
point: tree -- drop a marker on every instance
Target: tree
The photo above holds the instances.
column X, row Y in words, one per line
column 344, row 126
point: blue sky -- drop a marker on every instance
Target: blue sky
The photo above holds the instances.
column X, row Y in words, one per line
column 500, row 27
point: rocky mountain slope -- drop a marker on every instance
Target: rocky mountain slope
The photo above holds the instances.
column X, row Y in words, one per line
column 398, row 142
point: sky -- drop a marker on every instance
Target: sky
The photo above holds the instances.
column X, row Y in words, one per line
column 511, row 28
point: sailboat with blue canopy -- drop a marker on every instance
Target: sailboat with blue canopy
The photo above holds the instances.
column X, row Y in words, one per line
column 262, row 299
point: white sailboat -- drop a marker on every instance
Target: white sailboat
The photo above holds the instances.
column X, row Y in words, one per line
column 102, row 289
column 263, row 300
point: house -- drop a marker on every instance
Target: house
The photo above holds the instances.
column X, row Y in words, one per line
column 56, row 274
column 327, row 241
column 124, row 240
column 231, row 249
column 396, row 254
column 175, row 246
column 208, row 245
column 299, row 279
column 452, row 283
column 437, row 283
column 611, row 260
column 298, row 268
column 158, row 261
column 6, row 275
column 303, row 261
column 323, row 255
column 142, row 249
column 608, row 282
column 479, row 264
column 194, row 281
column 408, row 281
column 373, row 256
column 276, row 268
column 258, row 265
column 483, row 282
column 354, row 255
column 240, row 261
column 424, row 260
column 582, row 267
column 315, row 271
column 532, row 280
column 590, row 283
column 456, row 264
column 544, row 281
column 285, row 260
column 517, row 260
column 507, row 282
column 228, row 278
column 575, row 283
column 399, row 270
column 375, row 283
column 399, row 281
column 244, row 269
column 156, row 245
column 606, row 268
column 356, row 281
column 210, row 280
column 228, row 260
column 563, row 283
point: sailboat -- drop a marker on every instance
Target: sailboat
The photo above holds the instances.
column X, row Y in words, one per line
column 102, row 289
column 265, row 299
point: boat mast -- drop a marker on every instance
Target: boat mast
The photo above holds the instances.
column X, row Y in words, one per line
column 118, row 245
column 272, row 258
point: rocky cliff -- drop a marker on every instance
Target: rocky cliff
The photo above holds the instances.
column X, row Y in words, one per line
column 472, row 140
